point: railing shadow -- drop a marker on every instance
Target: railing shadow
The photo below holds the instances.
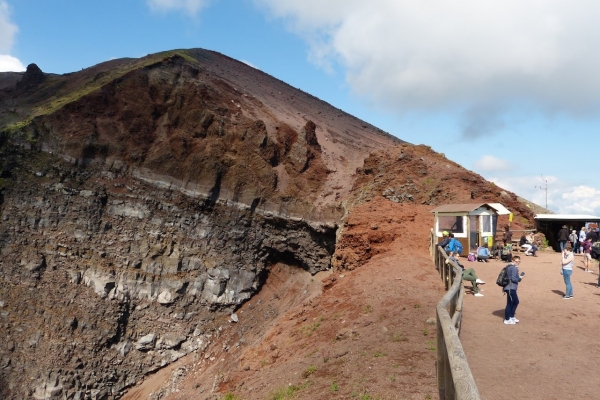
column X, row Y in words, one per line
column 454, row 378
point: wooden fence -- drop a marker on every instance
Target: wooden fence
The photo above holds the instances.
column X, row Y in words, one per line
column 454, row 378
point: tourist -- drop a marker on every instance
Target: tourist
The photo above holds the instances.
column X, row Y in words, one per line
column 445, row 240
column 454, row 246
column 566, row 261
column 507, row 236
column 526, row 243
column 592, row 235
column 563, row 237
column 468, row 275
column 586, row 245
column 483, row 253
column 582, row 235
column 512, row 299
column 574, row 239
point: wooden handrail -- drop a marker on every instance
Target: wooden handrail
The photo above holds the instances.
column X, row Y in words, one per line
column 454, row 378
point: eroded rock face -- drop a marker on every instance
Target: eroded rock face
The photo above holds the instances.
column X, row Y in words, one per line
column 105, row 278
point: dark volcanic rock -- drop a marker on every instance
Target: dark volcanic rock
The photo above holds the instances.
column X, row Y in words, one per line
column 31, row 79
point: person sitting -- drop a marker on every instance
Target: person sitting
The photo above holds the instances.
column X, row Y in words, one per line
column 445, row 240
column 483, row 253
column 454, row 246
column 506, row 254
column 468, row 275
column 526, row 243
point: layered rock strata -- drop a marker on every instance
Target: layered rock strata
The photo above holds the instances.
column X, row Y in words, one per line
column 105, row 277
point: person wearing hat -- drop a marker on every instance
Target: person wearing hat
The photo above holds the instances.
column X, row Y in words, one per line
column 563, row 238
column 445, row 241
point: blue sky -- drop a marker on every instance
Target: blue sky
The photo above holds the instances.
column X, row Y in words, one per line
column 506, row 88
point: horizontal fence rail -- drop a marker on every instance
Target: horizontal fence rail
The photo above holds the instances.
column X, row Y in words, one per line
column 454, row 378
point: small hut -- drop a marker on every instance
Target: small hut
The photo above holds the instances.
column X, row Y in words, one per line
column 472, row 224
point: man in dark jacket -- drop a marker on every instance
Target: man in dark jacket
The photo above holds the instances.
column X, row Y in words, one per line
column 512, row 300
column 563, row 237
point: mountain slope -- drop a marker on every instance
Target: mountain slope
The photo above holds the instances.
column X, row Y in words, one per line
column 142, row 201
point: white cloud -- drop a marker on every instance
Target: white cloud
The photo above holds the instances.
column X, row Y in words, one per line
column 191, row 6
column 490, row 163
column 8, row 30
column 582, row 199
column 475, row 56
column 562, row 197
column 10, row 63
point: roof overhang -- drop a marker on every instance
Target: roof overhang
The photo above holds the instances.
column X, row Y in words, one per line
column 566, row 217
column 468, row 207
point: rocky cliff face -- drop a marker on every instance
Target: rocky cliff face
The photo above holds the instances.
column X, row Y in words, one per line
column 139, row 202
column 106, row 277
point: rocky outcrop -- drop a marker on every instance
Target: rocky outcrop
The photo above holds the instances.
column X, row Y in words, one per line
column 105, row 277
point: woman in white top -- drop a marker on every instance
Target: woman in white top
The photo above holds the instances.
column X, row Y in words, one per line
column 566, row 261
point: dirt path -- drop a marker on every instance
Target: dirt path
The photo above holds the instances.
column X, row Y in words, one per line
column 552, row 352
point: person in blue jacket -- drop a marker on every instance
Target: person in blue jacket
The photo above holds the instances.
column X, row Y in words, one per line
column 512, row 299
column 444, row 241
column 454, row 246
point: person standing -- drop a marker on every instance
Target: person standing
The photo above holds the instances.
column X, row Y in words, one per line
column 563, row 237
column 586, row 246
column 566, row 263
column 512, row 299
column 507, row 236
column 591, row 235
column 581, row 238
column 574, row 239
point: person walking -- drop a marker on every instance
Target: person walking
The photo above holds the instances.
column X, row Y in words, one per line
column 563, row 237
column 582, row 235
column 574, row 239
column 566, row 262
column 512, row 299
column 586, row 246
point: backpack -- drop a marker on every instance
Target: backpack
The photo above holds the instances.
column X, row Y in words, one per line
column 595, row 252
column 503, row 277
column 471, row 257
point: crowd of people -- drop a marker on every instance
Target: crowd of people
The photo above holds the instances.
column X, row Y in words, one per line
column 570, row 243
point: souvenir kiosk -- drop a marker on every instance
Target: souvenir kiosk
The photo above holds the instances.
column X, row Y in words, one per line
column 472, row 224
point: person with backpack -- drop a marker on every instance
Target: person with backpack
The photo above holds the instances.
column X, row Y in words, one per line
column 574, row 239
column 454, row 246
column 445, row 240
column 566, row 262
column 512, row 299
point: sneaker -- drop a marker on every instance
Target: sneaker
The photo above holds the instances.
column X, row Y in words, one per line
column 479, row 281
column 514, row 319
column 478, row 295
column 567, row 297
column 509, row 322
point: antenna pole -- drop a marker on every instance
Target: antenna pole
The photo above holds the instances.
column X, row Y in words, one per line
column 545, row 187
